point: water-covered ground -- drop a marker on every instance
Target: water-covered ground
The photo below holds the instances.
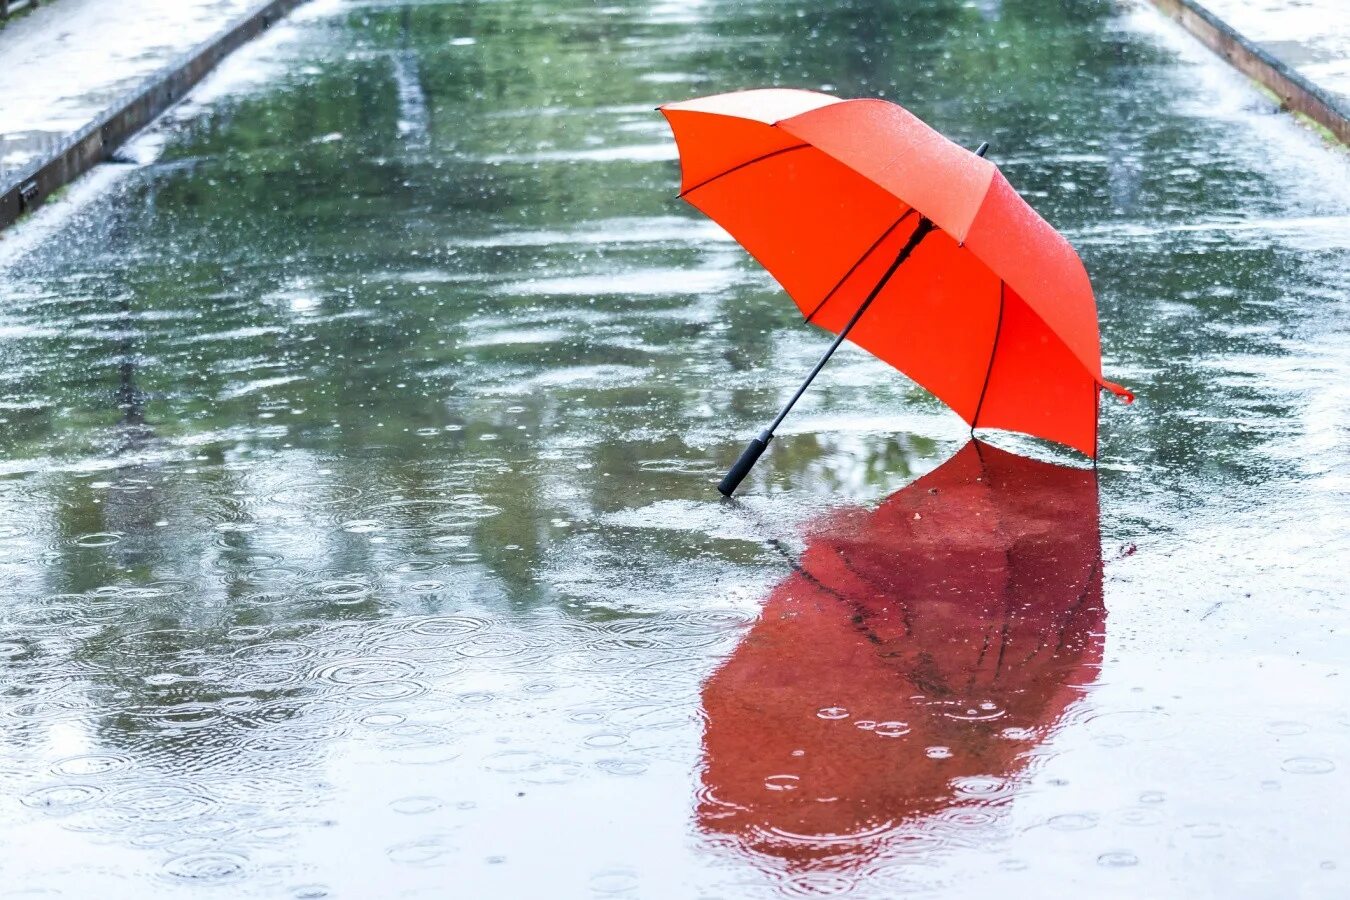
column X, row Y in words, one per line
column 356, row 529
column 1311, row 36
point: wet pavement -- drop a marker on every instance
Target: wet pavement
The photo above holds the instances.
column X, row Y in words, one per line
column 67, row 62
column 357, row 531
column 1310, row 36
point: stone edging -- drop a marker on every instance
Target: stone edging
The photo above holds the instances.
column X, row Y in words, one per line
column 28, row 188
column 1296, row 92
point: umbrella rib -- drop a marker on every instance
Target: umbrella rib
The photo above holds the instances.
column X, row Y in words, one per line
column 1096, row 422
column 1081, row 599
column 875, row 244
column 904, row 607
column 859, row 611
column 1006, row 630
column 993, row 351
column 737, row 168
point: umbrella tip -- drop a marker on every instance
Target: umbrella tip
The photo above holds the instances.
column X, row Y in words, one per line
column 982, row 149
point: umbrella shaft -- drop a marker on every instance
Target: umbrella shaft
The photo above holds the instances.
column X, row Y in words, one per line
column 925, row 226
column 758, row 445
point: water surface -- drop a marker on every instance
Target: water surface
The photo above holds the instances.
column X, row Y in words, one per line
column 357, row 532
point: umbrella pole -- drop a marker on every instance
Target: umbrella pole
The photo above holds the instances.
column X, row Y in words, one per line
column 755, row 449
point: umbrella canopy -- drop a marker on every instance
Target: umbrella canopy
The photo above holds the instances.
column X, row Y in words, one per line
column 910, row 662
column 993, row 314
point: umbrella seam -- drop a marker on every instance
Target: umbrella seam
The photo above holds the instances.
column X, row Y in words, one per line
column 1094, row 572
column 1096, row 421
column 993, row 352
column 859, row 615
column 870, row 250
column 891, row 162
column 1096, row 379
column 1096, row 376
column 905, row 617
column 736, row 168
column 1005, row 631
column 979, row 207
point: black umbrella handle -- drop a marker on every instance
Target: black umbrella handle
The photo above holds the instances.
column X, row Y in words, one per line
column 755, row 449
column 749, row 456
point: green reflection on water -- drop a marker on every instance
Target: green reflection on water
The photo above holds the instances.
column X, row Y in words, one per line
column 418, row 269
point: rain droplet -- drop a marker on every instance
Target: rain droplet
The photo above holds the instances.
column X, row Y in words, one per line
column 215, row 867
column 416, row 806
column 1308, row 765
column 1073, row 822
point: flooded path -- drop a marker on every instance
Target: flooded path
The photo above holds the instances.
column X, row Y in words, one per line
column 357, row 534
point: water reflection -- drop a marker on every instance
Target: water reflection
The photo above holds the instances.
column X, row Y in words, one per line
column 909, row 666
column 428, row 421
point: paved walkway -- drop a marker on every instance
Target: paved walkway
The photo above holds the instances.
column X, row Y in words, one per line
column 70, row 59
column 1310, row 36
column 66, row 62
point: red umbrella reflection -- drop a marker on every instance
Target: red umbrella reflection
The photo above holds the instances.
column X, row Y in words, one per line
column 911, row 661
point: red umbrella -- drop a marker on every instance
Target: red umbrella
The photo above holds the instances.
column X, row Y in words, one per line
column 993, row 312
column 910, row 662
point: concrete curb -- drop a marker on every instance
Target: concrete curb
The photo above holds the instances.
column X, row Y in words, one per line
column 27, row 189
column 10, row 7
column 1296, row 92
